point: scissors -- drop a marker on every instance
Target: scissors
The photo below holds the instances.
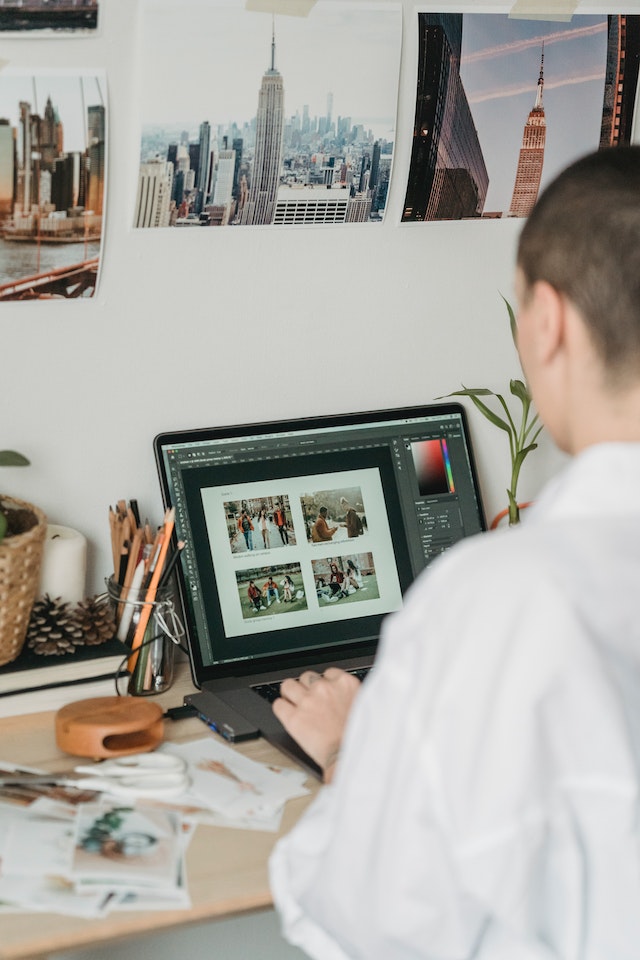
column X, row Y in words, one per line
column 152, row 775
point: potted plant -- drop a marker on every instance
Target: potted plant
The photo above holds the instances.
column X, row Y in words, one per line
column 522, row 428
column 23, row 529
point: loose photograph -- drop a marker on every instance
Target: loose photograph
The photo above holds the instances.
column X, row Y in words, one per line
column 280, row 120
column 52, row 184
column 334, row 515
column 123, row 845
column 347, row 579
column 265, row 591
column 259, row 523
column 504, row 103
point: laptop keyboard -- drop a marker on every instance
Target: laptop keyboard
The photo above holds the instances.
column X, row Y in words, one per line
column 271, row 691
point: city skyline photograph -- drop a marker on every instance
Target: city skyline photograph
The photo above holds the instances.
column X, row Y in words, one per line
column 52, row 182
column 292, row 106
column 531, row 95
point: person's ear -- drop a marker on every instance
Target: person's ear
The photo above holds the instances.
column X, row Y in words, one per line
column 548, row 310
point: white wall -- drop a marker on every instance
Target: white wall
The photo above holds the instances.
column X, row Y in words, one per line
column 329, row 320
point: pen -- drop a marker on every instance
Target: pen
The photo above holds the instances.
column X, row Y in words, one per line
column 130, row 603
column 168, row 570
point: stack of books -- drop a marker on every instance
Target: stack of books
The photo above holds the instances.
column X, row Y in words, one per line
column 33, row 683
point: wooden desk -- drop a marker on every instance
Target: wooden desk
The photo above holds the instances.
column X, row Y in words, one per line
column 226, row 868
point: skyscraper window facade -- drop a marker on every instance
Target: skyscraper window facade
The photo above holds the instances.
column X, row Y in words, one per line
column 448, row 176
column 531, row 158
column 621, row 80
column 267, row 161
column 7, row 169
column 155, row 182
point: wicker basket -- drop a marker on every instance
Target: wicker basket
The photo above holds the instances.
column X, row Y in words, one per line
column 20, row 559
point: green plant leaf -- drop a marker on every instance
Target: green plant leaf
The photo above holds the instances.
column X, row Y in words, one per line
column 469, row 392
column 520, row 390
column 10, row 458
column 522, row 433
column 474, row 393
column 538, row 431
column 512, row 322
column 490, row 415
column 521, row 454
column 514, row 509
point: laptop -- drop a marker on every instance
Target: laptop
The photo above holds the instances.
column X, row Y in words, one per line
column 300, row 537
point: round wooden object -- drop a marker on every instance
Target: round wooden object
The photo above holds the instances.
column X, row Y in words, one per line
column 109, row 727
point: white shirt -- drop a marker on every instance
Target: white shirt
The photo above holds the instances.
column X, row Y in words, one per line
column 486, row 800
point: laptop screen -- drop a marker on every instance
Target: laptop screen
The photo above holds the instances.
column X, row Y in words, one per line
column 301, row 536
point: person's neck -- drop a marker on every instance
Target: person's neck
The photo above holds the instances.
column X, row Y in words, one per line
column 607, row 416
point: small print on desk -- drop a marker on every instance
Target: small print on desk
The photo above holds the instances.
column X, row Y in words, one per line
column 83, row 852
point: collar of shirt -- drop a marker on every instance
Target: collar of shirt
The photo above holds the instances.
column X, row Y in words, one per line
column 604, row 477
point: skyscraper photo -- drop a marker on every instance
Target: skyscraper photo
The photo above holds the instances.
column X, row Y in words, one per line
column 260, row 130
column 52, row 183
column 503, row 104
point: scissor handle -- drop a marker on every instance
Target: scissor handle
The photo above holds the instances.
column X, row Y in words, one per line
column 165, row 785
column 158, row 765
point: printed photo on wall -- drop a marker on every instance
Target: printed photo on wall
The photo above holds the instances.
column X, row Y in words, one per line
column 52, row 183
column 503, row 104
column 48, row 17
column 266, row 118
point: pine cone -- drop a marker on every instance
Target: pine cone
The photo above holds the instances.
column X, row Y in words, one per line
column 52, row 629
column 95, row 618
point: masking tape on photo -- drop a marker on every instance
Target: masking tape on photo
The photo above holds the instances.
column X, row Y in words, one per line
column 291, row 8
column 558, row 10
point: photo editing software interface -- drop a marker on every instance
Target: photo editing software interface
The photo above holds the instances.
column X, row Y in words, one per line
column 309, row 533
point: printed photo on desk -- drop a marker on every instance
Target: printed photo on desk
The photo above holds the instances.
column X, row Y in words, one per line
column 503, row 104
column 265, row 118
column 53, row 160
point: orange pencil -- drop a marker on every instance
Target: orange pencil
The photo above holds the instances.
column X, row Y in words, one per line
column 145, row 613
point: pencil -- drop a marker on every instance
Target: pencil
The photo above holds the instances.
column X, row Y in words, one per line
column 150, row 596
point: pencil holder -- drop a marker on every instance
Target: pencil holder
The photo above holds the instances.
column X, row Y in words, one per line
column 152, row 629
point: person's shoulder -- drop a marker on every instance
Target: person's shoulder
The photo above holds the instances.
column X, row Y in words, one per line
column 489, row 565
column 495, row 547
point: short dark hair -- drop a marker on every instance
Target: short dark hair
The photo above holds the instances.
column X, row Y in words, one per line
column 583, row 237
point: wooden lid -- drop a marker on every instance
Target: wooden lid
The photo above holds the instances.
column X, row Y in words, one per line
column 109, row 727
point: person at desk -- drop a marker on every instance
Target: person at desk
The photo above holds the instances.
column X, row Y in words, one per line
column 485, row 799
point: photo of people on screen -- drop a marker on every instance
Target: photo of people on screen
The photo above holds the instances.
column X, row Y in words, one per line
column 345, row 579
column 331, row 516
column 271, row 590
column 261, row 523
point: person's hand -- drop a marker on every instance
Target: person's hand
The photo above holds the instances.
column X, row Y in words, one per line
column 314, row 711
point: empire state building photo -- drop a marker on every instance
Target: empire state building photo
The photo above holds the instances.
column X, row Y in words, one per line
column 267, row 162
column 531, row 159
